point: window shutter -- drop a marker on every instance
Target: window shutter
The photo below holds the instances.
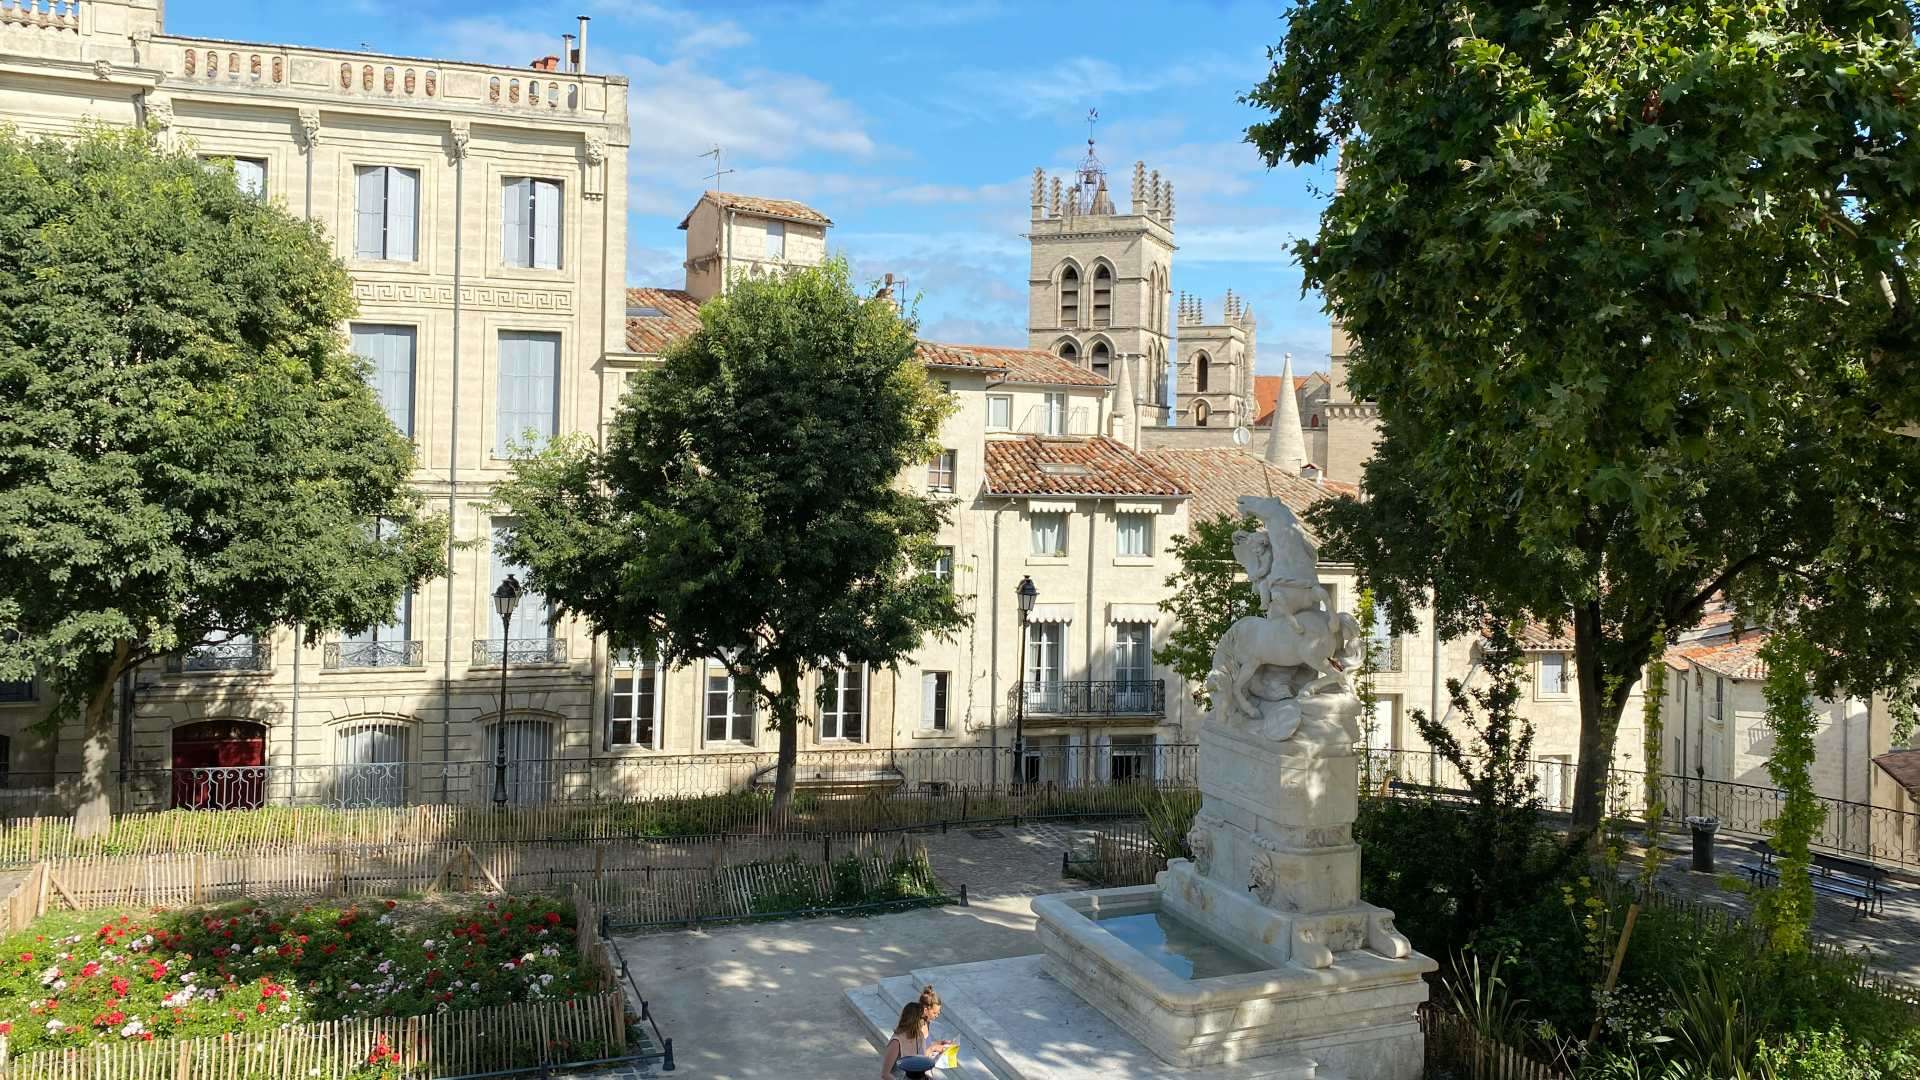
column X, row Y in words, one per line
column 546, row 224
column 403, row 210
column 370, row 211
column 544, row 385
column 513, row 223
column 927, row 682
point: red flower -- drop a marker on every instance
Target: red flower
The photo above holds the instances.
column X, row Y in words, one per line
column 302, row 939
column 6, row 1028
column 328, row 949
column 92, row 969
column 274, row 928
column 391, row 905
column 260, row 1008
column 146, row 1036
column 119, row 986
column 553, row 918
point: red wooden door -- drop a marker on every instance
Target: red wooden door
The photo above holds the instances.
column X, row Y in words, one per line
column 219, row 765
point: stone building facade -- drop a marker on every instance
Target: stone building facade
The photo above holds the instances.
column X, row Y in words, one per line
column 481, row 212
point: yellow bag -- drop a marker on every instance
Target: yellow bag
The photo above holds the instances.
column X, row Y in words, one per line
column 949, row 1058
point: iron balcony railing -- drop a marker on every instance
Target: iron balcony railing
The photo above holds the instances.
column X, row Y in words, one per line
column 520, row 651
column 226, row 656
column 372, row 654
column 1095, row 697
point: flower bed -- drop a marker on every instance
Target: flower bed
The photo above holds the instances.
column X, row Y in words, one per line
column 78, row 978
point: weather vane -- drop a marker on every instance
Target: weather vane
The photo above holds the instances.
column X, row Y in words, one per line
column 1093, row 117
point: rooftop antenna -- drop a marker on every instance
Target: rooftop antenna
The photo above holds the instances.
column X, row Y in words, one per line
column 717, row 172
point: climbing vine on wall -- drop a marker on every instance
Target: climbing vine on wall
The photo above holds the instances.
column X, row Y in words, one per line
column 1786, row 911
column 1655, row 735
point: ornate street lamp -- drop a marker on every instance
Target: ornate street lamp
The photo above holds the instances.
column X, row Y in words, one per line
column 505, row 599
column 1026, row 593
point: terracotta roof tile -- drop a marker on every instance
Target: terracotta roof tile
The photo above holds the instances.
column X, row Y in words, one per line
column 754, row 204
column 1266, row 394
column 651, row 334
column 1035, row 465
column 1217, row 476
column 1014, row 365
column 1537, row 636
column 1736, row 656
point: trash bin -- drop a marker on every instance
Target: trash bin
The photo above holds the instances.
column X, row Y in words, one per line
column 1703, row 830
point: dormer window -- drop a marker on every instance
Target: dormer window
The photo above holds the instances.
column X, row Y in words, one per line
column 1102, row 296
column 1069, row 297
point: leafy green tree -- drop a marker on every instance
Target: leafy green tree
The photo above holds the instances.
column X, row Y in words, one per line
column 187, row 448
column 749, row 505
column 1205, row 596
column 1631, row 286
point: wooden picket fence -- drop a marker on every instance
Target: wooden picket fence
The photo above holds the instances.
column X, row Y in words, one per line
column 689, row 896
column 499, row 1038
column 32, row 839
column 1457, row 1051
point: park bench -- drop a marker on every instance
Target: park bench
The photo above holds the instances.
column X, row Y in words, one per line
column 1857, row 881
column 1431, row 791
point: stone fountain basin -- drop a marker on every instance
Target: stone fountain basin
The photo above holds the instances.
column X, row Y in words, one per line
column 1355, row 1018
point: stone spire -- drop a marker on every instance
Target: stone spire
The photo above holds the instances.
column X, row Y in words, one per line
column 1124, row 425
column 1286, row 447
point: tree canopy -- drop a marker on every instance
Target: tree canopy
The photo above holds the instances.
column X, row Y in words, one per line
column 1631, row 286
column 749, row 506
column 1206, row 596
column 187, row 448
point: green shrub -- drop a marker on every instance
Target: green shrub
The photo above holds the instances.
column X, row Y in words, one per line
column 1831, row 1055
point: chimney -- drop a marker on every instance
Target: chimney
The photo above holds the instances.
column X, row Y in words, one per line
column 580, row 58
column 568, row 57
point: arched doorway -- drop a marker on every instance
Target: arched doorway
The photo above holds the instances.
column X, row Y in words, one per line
column 219, row 765
column 529, row 774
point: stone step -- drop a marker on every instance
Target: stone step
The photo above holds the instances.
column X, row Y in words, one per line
column 878, row 1009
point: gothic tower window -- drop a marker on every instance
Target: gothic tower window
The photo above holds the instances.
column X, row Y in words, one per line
column 1069, row 351
column 1199, row 414
column 1101, row 360
column 1069, row 297
column 1201, row 373
column 1102, row 296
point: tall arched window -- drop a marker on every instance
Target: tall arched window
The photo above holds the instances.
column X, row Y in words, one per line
column 1100, row 360
column 1069, row 297
column 1199, row 414
column 1069, row 351
column 1314, row 420
column 1201, row 373
column 1102, row 296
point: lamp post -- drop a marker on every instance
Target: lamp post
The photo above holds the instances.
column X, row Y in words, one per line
column 1026, row 593
column 505, row 599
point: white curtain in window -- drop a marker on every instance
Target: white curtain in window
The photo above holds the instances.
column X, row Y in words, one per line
column 403, row 207
column 546, row 224
column 529, row 390
column 1553, row 673
column 1134, row 534
column 529, row 751
column 370, row 212
column 999, row 411
column 1049, row 534
column 250, row 175
column 391, row 351
column 1056, row 414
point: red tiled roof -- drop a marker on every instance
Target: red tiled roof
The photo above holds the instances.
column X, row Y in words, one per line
column 1034, row 465
column 651, row 334
column 1014, row 365
column 1537, row 636
column 1736, row 656
column 754, row 204
column 1218, row 475
column 1266, row 395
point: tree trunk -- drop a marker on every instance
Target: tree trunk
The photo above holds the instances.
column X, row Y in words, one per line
column 786, row 710
column 1599, row 714
column 93, row 812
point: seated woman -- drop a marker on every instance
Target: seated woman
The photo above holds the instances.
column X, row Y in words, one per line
column 910, row 1052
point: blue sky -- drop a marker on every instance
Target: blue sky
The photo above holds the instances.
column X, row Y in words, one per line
column 916, row 126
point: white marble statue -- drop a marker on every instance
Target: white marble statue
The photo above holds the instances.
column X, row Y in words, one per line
column 1296, row 647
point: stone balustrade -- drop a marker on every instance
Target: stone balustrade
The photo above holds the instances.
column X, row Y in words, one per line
column 42, row 14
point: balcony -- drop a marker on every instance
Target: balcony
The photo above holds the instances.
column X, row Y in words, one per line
column 340, row 655
column 519, row 652
column 1095, row 699
column 1388, row 655
column 226, row 656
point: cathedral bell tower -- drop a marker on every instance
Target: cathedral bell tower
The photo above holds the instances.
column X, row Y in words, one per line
column 1098, row 293
column 1215, row 372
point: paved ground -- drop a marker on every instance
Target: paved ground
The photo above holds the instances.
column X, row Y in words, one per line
column 766, row 1001
column 1890, row 940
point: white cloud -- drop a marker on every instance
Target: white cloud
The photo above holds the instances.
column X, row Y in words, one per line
column 687, row 32
column 1063, row 88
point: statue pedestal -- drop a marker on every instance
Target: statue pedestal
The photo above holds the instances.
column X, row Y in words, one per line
column 1274, row 859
